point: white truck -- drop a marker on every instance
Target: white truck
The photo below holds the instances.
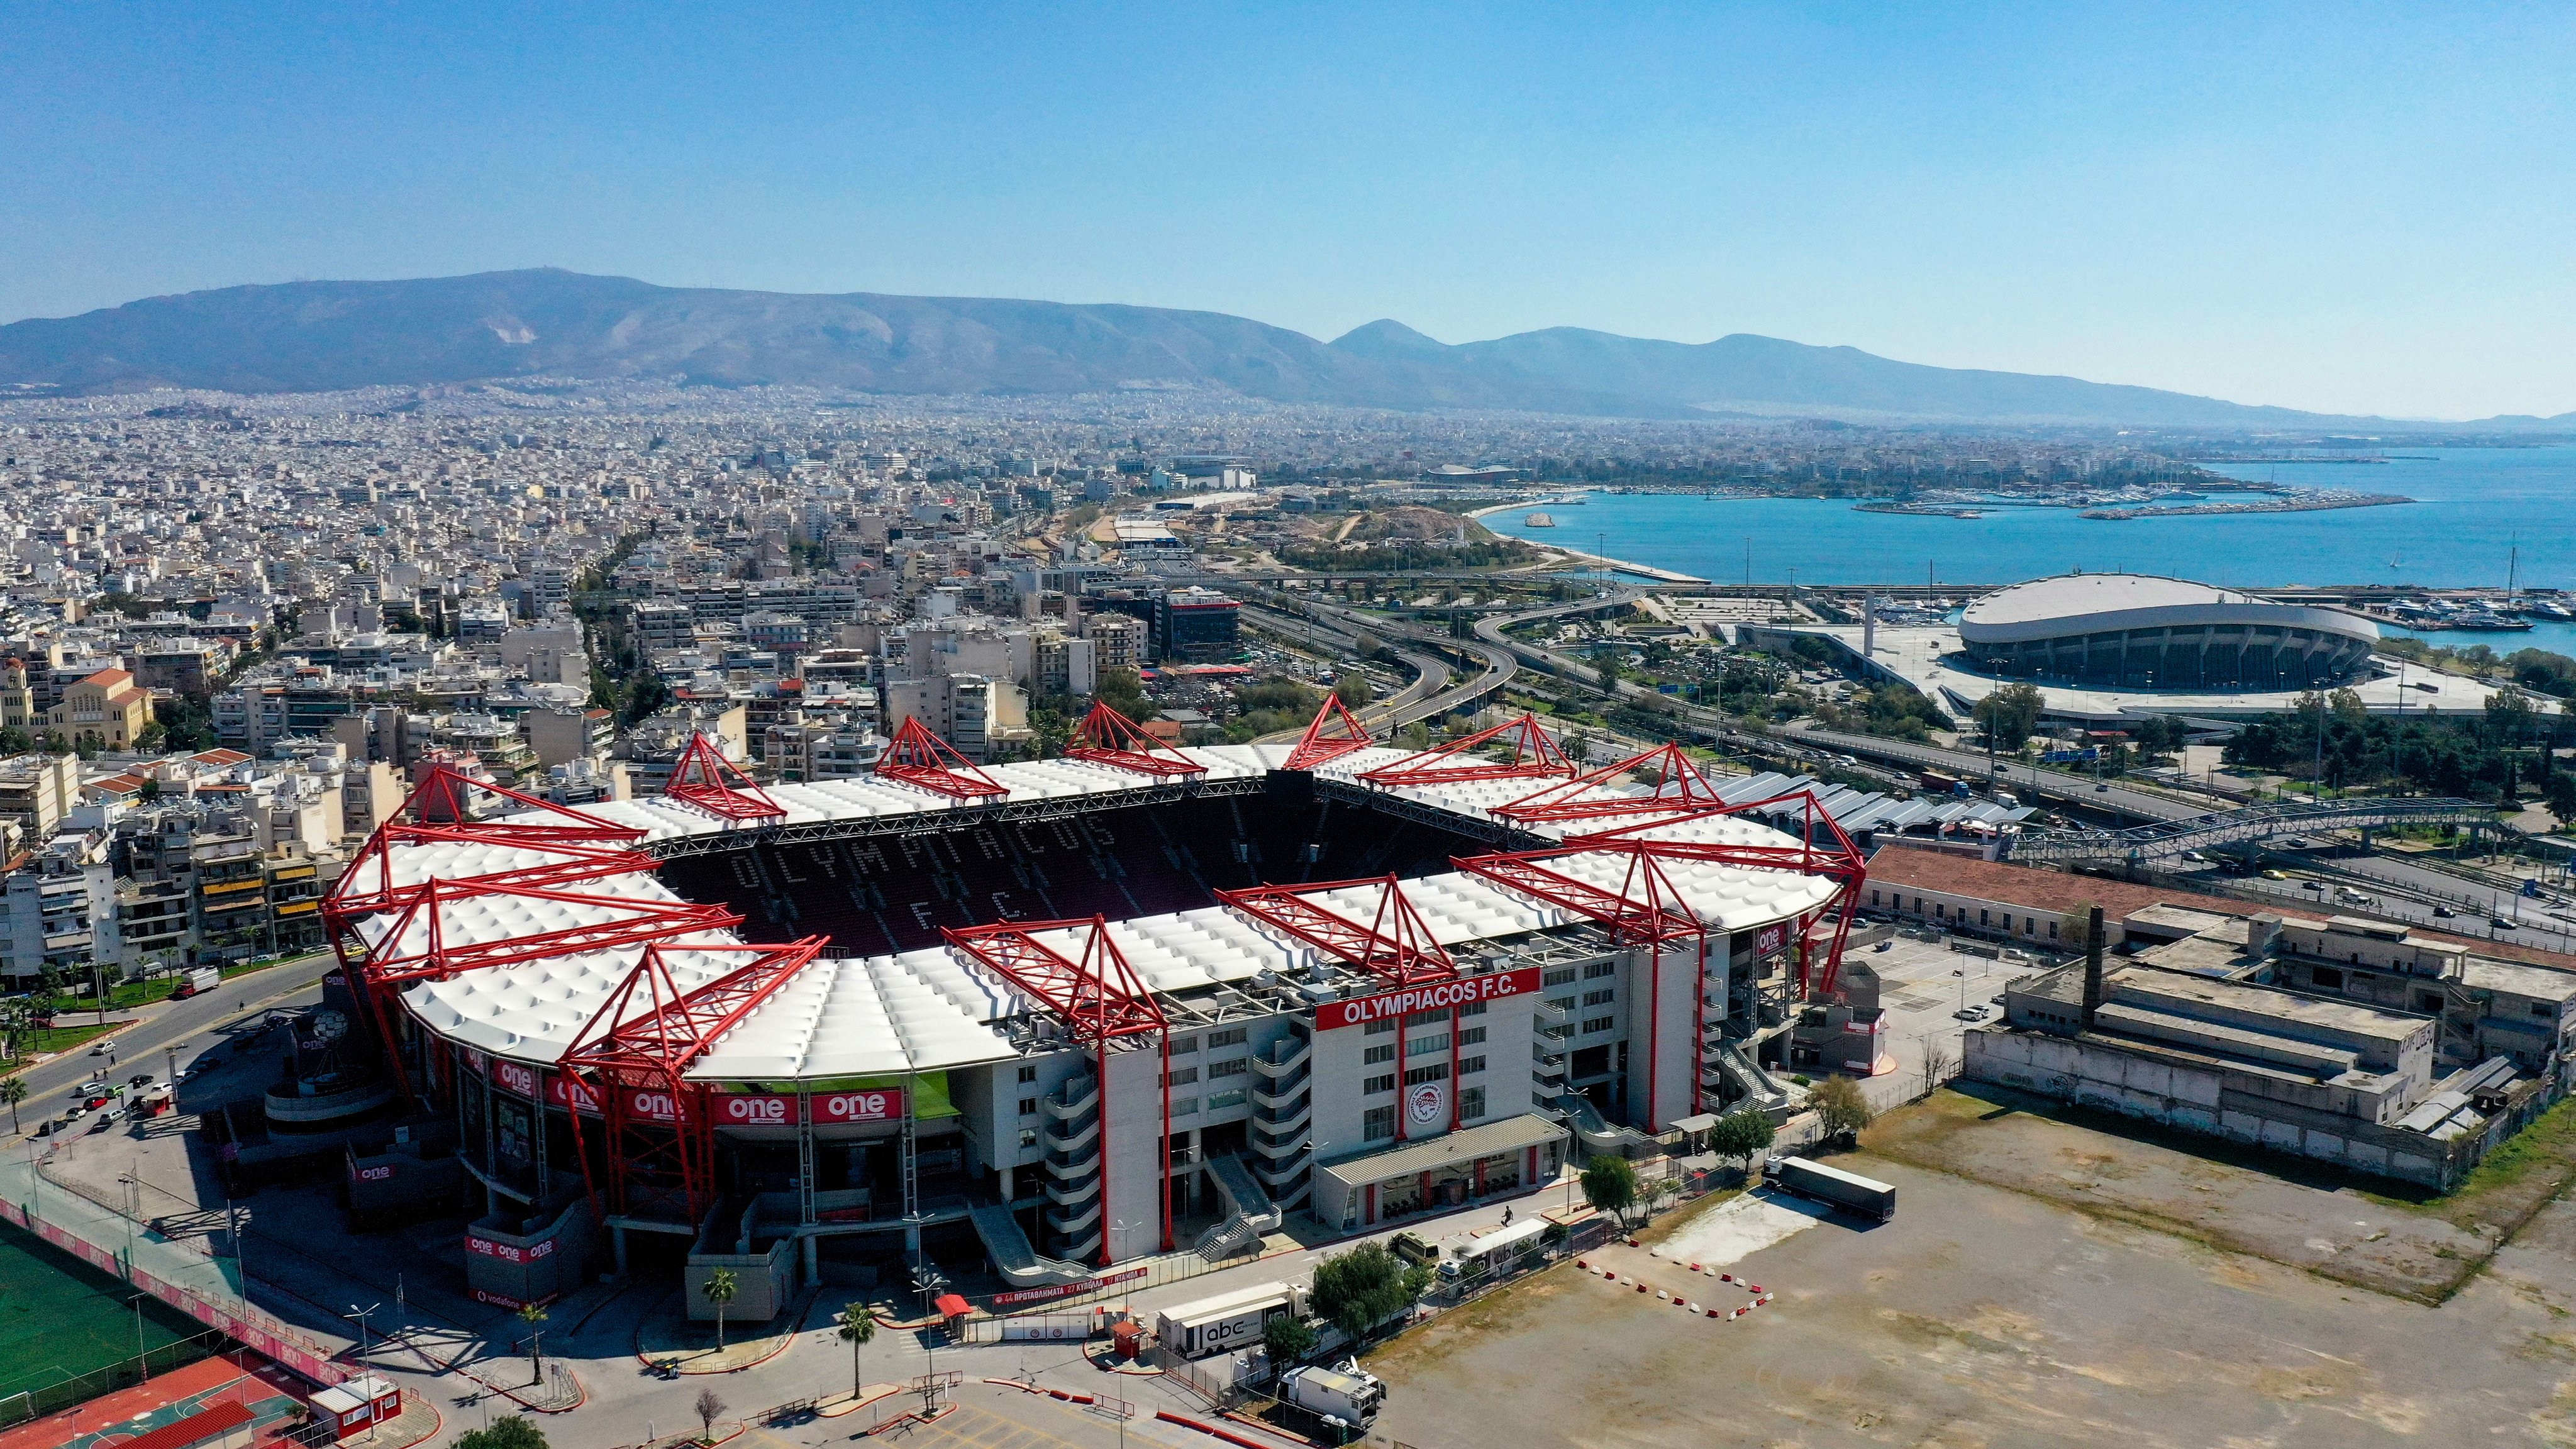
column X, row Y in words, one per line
column 1344, row 1394
column 1227, row 1321
column 202, row 978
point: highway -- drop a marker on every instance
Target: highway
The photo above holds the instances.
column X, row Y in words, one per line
column 2031, row 783
column 193, row 1025
column 1430, row 695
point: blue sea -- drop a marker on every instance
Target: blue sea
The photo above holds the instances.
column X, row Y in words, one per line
column 2476, row 507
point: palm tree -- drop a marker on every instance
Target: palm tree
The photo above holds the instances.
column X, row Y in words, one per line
column 858, row 1328
column 533, row 1314
column 719, row 1290
column 13, row 1091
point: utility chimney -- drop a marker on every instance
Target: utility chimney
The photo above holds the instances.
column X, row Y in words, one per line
column 2092, row 967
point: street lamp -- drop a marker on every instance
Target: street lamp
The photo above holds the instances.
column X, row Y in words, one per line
column 361, row 1314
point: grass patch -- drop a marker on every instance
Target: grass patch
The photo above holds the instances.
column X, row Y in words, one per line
column 126, row 995
column 51, row 1040
column 2517, row 1179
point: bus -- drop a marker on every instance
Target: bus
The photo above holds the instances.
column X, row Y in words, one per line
column 1494, row 1254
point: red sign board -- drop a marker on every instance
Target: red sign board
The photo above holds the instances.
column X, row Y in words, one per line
column 1063, row 1290
column 1437, row 996
column 1770, row 938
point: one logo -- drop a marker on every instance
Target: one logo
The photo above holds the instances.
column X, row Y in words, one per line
column 1425, row 1103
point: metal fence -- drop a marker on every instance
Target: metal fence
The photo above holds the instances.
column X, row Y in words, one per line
column 72, row 1389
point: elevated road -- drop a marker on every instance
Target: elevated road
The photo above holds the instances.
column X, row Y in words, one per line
column 2170, row 838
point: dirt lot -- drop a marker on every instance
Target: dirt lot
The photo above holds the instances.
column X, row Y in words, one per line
column 1984, row 1316
column 2362, row 1231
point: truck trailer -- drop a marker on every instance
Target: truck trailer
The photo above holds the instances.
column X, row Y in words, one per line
column 1346, row 1394
column 1227, row 1321
column 1834, row 1187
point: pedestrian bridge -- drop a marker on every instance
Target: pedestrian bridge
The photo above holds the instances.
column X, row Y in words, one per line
column 2167, row 838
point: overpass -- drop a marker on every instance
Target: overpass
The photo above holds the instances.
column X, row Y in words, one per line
column 2167, row 838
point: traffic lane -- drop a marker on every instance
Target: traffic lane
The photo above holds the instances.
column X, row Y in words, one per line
column 2468, row 921
column 1969, row 763
column 173, row 1023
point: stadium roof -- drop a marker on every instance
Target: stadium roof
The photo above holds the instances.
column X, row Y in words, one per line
column 931, row 1009
column 2082, row 603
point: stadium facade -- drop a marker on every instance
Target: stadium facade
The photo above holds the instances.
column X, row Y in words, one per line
column 1067, row 1007
column 2141, row 632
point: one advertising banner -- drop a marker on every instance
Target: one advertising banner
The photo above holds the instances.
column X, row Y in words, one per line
column 737, row 1109
column 1437, row 996
column 1771, row 938
column 509, row 1252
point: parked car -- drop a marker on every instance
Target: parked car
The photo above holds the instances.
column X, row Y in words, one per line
column 92, row 1087
column 141, row 1079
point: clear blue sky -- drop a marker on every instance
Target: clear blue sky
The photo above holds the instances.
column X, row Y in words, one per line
column 2355, row 209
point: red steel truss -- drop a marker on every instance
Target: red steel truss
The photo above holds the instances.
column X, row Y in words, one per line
column 1101, row 998
column 918, row 757
column 1645, row 912
column 576, row 848
column 1679, row 787
column 706, row 779
column 1836, row 858
column 1395, row 945
column 1107, row 737
column 416, row 946
column 1317, row 746
column 637, row 1050
column 1533, row 755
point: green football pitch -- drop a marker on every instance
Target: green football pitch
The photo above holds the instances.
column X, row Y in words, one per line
column 61, row 1319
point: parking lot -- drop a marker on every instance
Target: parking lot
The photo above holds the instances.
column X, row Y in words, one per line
column 1983, row 1316
column 1923, row 985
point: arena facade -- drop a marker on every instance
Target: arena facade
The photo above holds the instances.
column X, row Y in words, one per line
column 2142, row 632
column 1054, row 1016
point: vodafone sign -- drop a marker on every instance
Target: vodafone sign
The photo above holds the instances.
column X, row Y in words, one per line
column 1438, row 996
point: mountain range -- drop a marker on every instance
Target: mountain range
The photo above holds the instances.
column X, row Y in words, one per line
column 322, row 336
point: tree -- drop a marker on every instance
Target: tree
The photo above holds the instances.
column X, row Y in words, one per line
column 1842, row 1107
column 533, row 1314
column 2560, row 793
column 2010, row 714
column 1741, row 1134
column 1360, row 1289
column 13, row 1091
column 720, row 1287
column 510, row 1431
column 858, row 1329
column 709, row 1403
column 1354, row 689
column 1610, row 1185
column 1288, row 1339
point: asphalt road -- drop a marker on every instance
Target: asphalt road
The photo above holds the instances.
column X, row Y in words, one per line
column 2030, row 782
column 194, row 1025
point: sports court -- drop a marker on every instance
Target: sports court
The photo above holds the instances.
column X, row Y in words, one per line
column 68, row 1331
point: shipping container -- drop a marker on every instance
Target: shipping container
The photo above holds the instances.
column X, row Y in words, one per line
column 1834, row 1187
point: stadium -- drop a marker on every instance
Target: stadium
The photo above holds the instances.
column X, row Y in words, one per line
column 2141, row 632
column 1056, row 1016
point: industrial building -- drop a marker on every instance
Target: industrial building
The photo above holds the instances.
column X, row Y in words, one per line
column 2401, row 1053
column 1060, row 1015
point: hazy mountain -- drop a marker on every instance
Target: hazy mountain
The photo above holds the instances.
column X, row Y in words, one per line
column 314, row 336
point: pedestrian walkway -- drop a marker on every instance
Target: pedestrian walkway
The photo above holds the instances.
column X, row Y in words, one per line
column 669, row 1335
